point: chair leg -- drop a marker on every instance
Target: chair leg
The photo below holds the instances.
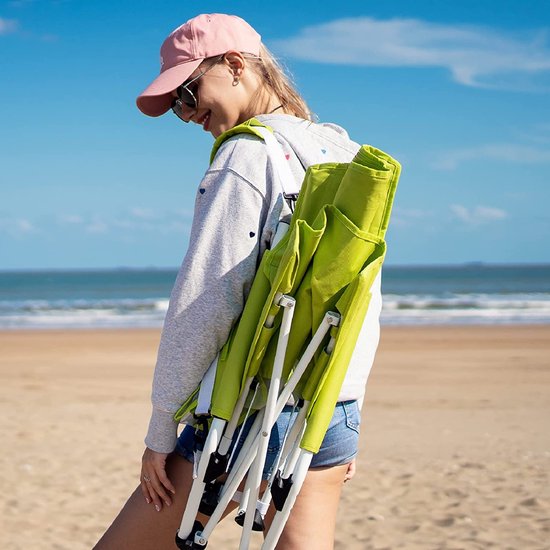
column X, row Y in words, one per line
column 193, row 502
column 291, row 442
column 270, row 417
column 295, row 482
column 255, row 442
column 227, row 493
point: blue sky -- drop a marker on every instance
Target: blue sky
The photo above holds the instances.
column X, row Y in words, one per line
column 458, row 92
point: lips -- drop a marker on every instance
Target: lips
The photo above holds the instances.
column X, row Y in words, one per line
column 204, row 120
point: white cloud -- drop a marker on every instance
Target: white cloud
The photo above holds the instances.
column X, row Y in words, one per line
column 502, row 152
column 478, row 215
column 17, row 227
column 70, row 219
column 143, row 213
column 23, row 226
column 132, row 220
column 7, row 26
column 97, row 226
column 124, row 224
column 10, row 26
column 475, row 55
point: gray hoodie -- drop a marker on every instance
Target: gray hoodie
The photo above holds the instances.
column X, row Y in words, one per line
column 238, row 205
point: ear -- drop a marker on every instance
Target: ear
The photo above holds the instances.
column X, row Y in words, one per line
column 235, row 61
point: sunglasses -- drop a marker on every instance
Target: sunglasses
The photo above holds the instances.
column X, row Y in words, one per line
column 188, row 91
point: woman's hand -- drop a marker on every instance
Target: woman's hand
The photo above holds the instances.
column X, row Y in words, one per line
column 155, row 484
column 352, row 468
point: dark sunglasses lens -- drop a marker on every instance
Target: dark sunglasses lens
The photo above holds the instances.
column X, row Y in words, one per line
column 176, row 108
column 187, row 97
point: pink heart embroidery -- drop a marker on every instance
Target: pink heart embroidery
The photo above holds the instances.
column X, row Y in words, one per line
column 287, row 156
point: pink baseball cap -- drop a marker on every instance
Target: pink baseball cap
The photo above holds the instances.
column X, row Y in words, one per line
column 204, row 36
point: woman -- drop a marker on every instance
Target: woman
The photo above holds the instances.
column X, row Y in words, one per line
column 215, row 72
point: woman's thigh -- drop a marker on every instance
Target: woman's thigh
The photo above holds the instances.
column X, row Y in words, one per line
column 139, row 526
column 310, row 525
column 312, row 522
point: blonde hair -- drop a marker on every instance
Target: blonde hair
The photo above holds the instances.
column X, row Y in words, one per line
column 276, row 80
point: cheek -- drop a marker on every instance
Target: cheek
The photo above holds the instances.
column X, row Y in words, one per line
column 224, row 115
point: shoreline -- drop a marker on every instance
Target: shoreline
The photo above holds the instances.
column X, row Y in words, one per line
column 392, row 327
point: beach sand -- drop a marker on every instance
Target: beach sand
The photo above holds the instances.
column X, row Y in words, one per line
column 455, row 443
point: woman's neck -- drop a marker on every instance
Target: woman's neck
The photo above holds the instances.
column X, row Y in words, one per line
column 263, row 102
column 275, row 109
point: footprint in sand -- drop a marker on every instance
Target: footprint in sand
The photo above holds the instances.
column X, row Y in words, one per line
column 444, row 522
column 533, row 501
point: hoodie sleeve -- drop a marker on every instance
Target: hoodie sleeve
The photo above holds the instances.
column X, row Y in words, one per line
column 210, row 289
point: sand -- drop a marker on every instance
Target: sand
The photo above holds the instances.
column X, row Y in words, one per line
column 455, row 444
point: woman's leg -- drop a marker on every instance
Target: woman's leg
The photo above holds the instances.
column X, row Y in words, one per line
column 139, row 526
column 312, row 521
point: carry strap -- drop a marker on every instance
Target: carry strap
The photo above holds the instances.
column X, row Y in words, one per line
column 206, row 388
column 275, row 153
column 290, row 192
column 280, row 162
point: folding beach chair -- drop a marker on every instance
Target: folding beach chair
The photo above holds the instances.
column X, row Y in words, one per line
column 293, row 341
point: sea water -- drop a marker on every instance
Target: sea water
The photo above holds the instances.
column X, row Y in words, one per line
column 126, row 298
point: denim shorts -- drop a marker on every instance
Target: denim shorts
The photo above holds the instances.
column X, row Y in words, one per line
column 339, row 445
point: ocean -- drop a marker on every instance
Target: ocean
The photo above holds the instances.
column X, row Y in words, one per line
column 125, row 298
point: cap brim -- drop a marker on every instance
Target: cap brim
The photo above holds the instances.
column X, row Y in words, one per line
column 157, row 98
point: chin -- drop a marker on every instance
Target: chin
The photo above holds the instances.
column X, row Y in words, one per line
column 218, row 130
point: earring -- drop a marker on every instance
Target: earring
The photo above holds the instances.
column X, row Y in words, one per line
column 235, row 80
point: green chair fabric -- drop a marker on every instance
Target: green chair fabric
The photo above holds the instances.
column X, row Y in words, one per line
column 327, row 261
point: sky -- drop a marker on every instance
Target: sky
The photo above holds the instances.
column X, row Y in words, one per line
column 458, row 92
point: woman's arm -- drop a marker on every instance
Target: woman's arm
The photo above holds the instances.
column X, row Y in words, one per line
column 208, row 295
